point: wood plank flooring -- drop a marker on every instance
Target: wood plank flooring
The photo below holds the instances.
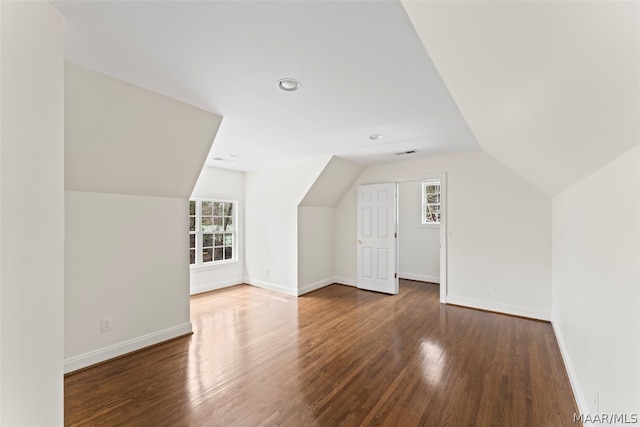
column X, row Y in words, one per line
column 335, row 357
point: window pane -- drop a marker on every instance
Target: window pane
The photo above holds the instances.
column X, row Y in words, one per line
column 432, row 189
column 207, row 224
column 431, row 217
column 211, row 227
column 433, row 198
column 207, row 255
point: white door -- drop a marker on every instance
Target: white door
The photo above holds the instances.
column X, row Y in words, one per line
column 377, row 238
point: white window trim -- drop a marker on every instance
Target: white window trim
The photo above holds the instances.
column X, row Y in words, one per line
column 423, row 184
column 213, row 264
column 429, row 224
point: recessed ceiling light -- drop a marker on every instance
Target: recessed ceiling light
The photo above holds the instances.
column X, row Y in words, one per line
column 376, row 136
column 288, row 85
column 235, row 155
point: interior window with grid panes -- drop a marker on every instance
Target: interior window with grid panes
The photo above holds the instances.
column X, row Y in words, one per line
column 431, row 202
column 212, row 231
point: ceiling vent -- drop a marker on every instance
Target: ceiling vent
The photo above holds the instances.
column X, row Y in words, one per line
column 406, row 152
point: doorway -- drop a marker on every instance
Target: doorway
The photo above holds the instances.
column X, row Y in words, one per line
column 422, row 236
column 421, row 248
column 419, row 230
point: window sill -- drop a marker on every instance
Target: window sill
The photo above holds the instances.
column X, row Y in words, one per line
column 429, row 226
column 216, row 266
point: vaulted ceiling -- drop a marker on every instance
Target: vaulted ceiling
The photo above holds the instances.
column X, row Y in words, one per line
column 362, row 68
column 551, row 89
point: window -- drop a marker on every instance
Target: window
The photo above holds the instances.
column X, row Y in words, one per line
column 431, row 202
column 212, row 231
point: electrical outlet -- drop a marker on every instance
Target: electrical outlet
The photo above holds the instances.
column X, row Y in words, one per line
column 105, row 324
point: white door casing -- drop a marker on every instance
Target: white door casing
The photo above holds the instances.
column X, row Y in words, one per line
column 377, row 249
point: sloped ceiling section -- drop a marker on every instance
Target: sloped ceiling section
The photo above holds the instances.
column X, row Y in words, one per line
column 363, row 71
column 332, row 183
column 123, row 139
column 551, row 89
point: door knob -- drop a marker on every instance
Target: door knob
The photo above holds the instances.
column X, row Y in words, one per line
column 359, row 242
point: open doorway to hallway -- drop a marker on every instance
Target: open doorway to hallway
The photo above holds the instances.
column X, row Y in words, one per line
column 419, row 210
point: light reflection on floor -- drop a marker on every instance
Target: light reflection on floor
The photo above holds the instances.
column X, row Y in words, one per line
column 434, row 361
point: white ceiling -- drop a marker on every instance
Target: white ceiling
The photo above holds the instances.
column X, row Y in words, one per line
column 549, row 88
column 362, row 67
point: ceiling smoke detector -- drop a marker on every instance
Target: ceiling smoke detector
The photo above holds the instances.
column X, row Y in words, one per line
column 376, row 136
column 288, row 85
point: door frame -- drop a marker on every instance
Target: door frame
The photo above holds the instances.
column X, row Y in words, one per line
column 442, row 176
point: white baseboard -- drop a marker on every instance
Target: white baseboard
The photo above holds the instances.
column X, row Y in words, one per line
column 316, row 285
column 271, row 286
column 573, row 379
column 346, row 281
column 303, row 289
column 106, row 353
column 215, row 285
column 499, row 307
column 353, row 282
column 420, row 277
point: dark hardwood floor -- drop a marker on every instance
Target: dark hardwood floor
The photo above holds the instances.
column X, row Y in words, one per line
column 336, row 356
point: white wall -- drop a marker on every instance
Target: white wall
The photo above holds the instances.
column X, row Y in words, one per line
column 317, row 223
column 127, row 262
column 344, row 252
column 31, row 215
column 132, row 160
column 122, row 139
column 419, row 245
column 315, row 247
column 498, row 255
column 216, row 183
column 596, row 285
column 271, row 223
